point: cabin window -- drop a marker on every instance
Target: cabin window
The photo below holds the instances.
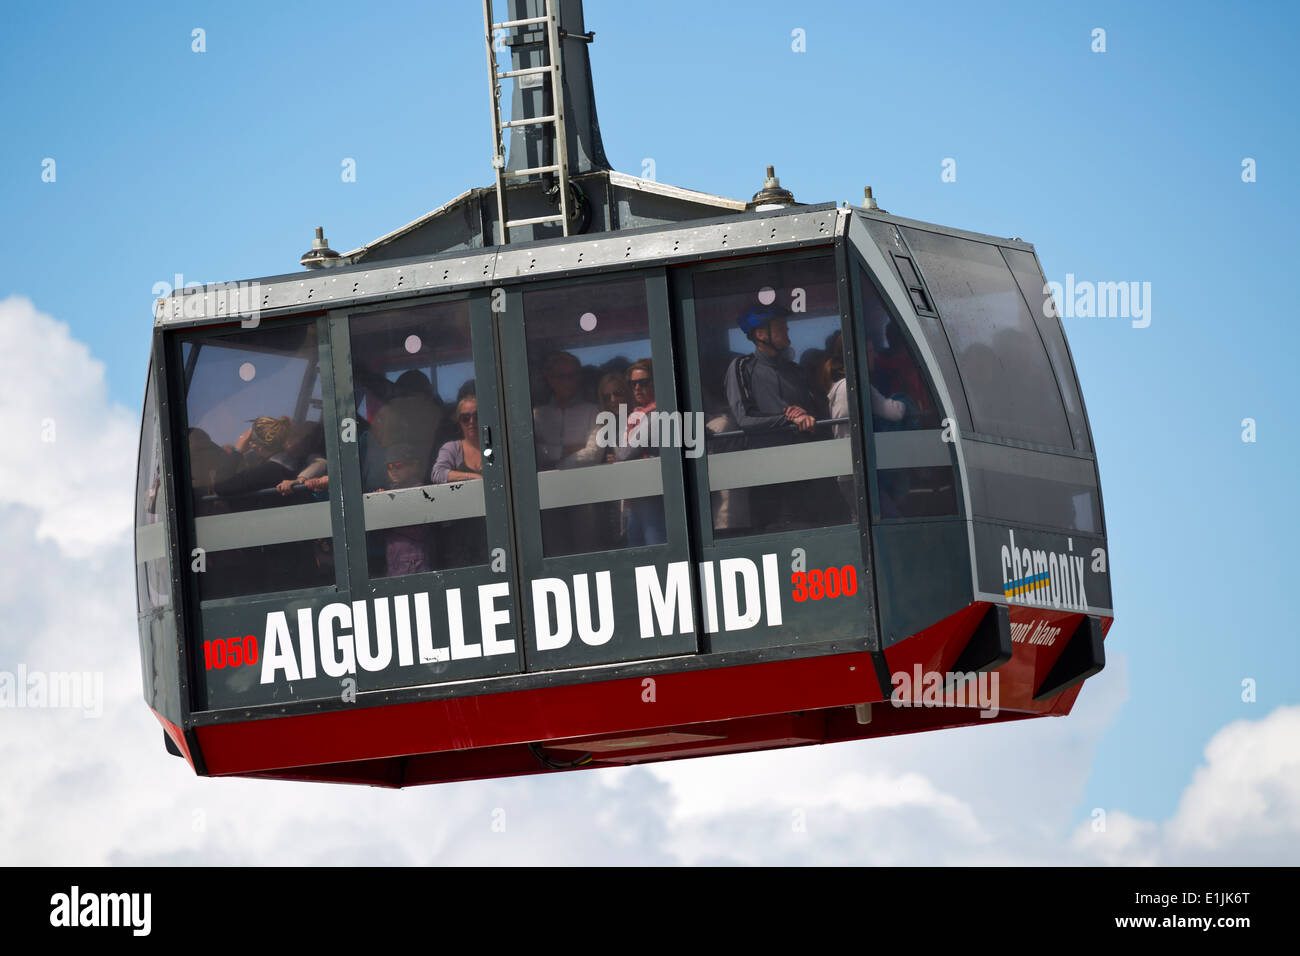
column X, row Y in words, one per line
column 1004, row 368
column 592, row 380
column 419, row 439
column 254, row 438
column 154, row 587
column 775, row 395
column 1029, row 277
column 1033, row 487
column 914, row 474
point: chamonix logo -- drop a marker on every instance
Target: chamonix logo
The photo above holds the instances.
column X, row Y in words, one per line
column 1044, row 578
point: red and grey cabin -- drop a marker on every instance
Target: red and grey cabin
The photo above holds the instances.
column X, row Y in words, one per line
column 394, row 524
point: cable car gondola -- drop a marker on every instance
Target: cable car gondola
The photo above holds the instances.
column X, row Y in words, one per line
column 585, row 470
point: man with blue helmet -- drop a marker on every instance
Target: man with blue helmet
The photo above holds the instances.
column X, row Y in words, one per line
column 767, row 392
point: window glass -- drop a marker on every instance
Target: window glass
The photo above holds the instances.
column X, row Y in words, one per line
column 1004, row 368
column 901, row 397
column 152, row 580
column 1030, row 279
column 1032, row 487
column 254, row 443
column 926, row 492
column 903, row 401
column 595, row 417
column 419, row 441
column 889, row 240
column 776, row 399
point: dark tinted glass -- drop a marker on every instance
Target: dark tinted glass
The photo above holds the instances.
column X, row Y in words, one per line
column 153, row 585
column 419, row 442
column 917, row 492
column 902, row 400
column 253, row 407
column 1005, row 370
column 1032, row 487
column 775, row 405
column 1032, row 285
column 593, row 396
column 889, row 240
column 901, row 397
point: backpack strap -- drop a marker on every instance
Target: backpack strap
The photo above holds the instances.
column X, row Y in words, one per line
column 745, row 379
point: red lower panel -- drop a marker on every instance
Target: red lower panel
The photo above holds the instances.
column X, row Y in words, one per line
column 739, row 736
column 546, row 714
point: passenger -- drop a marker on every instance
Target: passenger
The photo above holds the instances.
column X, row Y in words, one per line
column 407, row 550
column 883, row 410
column 645, row 516
column 266, row 461
column 462, row 459
column 209, row 462
column 766, row 391
column 606, row 520
column 412, row 417
column 813, row 364
column 835, row 385
column 837, row 400
column 450, row 428
column 374, row 467
column 613, row 394
column 730, row 506
column 307, row 445
column 562, row 426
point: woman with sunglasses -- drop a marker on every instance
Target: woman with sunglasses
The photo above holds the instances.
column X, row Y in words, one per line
column 645, row 516
column 461, row 459
column 613, row 394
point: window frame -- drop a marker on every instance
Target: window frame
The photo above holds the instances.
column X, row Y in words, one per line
column 683, row 301
column 351, row 487
column 856, row 615
column 498, row 503
column 861, row 271
column 184, row 506
column 530, row 560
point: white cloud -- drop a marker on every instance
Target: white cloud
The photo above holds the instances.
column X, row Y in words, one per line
column 1242, row 805
column 69, row 452
column 99, row 791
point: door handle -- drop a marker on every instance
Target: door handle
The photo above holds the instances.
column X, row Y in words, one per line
column 487, row 444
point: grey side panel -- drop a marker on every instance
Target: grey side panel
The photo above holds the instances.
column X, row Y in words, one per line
column 923, row 575
column 156, row 617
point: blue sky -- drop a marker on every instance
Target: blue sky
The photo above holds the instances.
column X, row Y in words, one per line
column 1119, row 166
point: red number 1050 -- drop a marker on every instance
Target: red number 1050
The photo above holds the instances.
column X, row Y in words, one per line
column 232, row 652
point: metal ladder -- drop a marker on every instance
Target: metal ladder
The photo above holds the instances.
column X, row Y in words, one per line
column 560, row 154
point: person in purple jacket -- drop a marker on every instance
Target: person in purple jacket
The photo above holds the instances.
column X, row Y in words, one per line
column 461, row 459
column 408, row 550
